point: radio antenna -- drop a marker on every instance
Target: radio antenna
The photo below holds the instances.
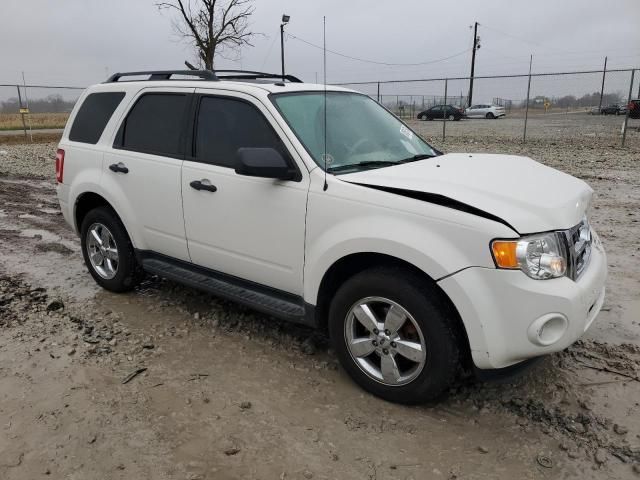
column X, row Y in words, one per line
column 324, row 60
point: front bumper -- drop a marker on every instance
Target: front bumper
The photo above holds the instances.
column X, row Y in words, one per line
column 503, row 310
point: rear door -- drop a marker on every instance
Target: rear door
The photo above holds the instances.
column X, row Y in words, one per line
column 249, row 227
column 435, row 112
column 142, row 171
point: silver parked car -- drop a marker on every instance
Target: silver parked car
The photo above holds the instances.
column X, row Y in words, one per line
column 485, row 111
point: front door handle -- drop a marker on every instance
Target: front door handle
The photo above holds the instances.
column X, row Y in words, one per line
column 203, row 184
column 118, row 167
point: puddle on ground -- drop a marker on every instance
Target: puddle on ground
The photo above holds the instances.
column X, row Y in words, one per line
column 43, row 234
column 50, row 211
column 28, row 216
column 631, row 313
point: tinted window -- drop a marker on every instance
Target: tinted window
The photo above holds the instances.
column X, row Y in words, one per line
column 155, row 124
column 225, row 125
column 93, row 116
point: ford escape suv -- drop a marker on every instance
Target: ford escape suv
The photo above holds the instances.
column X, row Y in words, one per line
column 321, row 207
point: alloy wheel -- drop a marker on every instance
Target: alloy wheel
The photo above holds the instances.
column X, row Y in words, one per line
column 102, row 251
column 385, row 341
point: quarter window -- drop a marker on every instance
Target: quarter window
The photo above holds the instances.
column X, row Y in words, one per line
column 155, row 124
column 93, row 116
column 225, row 125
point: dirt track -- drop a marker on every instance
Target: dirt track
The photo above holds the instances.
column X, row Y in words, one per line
column 230, row 394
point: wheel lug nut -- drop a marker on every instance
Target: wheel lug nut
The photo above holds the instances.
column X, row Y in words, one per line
column 393, row 344
column 385, row 351
column 387, row 332
column 375, row 344
column 376, row 331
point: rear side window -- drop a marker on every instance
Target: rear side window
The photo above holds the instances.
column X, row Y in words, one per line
column 225, row 125
column 93, row 116
column 155, row 124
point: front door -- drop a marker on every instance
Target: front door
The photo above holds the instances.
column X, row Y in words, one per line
column 249, row 227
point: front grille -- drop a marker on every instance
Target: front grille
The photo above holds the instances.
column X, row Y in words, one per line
column 579, row 248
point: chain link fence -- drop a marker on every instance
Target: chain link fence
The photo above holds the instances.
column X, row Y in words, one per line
column 30, row 108
column 577, row 104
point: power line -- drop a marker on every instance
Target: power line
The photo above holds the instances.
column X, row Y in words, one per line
column 374, row 61
column 520, row 38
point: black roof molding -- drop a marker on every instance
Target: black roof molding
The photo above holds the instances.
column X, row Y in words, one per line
column 251, row 75
column 164, row 75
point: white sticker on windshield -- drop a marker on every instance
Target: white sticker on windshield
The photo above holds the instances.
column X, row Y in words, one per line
column 406, row 132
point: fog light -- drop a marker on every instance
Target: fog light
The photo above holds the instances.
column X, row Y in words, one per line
column 547, row 329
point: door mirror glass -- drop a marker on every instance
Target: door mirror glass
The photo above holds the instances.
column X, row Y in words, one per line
column 263, row 162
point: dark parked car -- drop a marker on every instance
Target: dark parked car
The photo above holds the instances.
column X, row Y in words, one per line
column 634, row 108
column 614, row 109
column 441, row 111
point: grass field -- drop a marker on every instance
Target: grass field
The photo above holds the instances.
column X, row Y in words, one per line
column 12, row 121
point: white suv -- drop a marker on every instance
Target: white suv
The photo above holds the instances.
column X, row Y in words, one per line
column 416, row 262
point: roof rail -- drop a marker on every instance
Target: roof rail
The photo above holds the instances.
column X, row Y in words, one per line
column 164, row 75
column 251, row 75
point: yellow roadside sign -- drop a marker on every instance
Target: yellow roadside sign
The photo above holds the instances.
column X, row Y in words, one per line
column 24, row 110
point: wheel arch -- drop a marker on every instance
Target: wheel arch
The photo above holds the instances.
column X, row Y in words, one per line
column 348, row 266
column 90, row 198
column 86, row 202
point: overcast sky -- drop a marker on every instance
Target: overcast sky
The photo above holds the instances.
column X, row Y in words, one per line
column 80, row 42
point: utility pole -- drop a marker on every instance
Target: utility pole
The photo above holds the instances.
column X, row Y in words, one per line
column 526, row 112
column 604, row 74
column 476, row 46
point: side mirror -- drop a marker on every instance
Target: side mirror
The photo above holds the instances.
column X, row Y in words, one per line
column 263, row 162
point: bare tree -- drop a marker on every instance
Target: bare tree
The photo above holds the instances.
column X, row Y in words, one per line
column 212, row 26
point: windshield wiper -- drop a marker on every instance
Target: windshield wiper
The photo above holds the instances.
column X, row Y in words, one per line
column 380, row 163
column 415, row 158
column 368, row 163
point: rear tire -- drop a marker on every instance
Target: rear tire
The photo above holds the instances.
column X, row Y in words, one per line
column 490, row 116
column 452, row 118
column 416, row 375
column 108, row 252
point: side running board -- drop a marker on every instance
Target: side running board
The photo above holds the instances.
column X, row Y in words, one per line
column 264, row 299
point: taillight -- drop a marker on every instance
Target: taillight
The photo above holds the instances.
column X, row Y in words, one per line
column 59, row 165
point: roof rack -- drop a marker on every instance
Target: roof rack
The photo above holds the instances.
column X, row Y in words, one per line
column 164, row 75
column 203, row 75
column 251, row 75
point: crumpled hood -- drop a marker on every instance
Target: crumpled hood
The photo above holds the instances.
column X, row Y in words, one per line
column 527, row 195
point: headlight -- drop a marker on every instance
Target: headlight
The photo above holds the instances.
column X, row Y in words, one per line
column 539, row 256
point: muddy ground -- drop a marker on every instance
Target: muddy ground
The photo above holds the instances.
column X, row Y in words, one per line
column 167, row 382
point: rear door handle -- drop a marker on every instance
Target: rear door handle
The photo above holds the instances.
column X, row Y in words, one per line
column 118, row 167
column 203, row 184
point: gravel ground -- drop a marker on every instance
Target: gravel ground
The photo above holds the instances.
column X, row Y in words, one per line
column 168, row 382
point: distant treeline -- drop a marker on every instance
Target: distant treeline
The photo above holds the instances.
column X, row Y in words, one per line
column 50, row 104
column 571, row 101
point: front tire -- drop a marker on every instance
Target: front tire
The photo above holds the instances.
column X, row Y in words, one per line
column 490, row 116
column 108, row 252
column 393, row 336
